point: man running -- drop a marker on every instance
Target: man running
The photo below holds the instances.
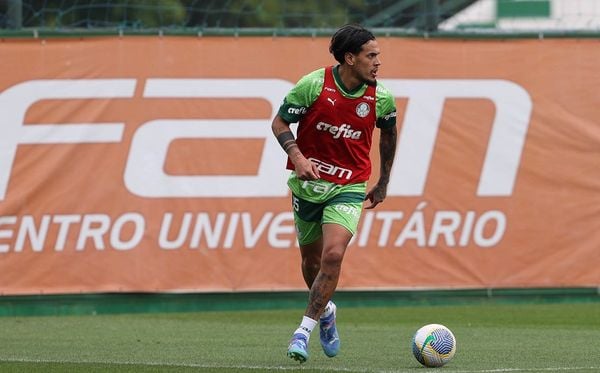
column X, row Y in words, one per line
column 337, row 109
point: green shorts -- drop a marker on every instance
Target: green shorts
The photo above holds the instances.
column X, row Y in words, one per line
column 318, row 202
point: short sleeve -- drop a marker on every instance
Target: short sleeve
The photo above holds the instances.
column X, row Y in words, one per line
column 302, row 96
column 385, row 108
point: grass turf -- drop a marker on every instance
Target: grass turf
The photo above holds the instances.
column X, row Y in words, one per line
column 494, row 338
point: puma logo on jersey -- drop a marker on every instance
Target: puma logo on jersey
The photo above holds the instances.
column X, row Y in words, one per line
column 332, row 101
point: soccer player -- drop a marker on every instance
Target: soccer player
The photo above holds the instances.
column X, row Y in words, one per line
column 337, row 109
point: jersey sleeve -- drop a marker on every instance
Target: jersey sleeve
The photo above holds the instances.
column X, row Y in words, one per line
column 302, row 96
column 385, row 108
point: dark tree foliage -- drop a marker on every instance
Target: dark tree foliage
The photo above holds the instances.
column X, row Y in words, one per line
column 202, row 14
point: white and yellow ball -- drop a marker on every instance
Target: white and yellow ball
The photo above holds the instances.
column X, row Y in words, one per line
column 433, row 345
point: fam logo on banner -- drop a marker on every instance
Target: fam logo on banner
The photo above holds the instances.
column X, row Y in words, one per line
column 144, row 174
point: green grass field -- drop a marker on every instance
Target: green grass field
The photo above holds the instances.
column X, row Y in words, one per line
column 561, row 337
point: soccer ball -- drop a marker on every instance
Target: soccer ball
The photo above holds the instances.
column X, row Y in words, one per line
column 433, row 345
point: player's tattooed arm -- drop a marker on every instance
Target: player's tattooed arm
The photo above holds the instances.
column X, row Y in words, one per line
column 284, row 136
column 387, row 151
column 305, row 169
column 287, row 141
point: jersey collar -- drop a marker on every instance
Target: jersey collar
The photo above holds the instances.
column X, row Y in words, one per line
column 338, row 81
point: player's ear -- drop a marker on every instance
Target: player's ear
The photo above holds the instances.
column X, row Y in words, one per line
column 349, row 58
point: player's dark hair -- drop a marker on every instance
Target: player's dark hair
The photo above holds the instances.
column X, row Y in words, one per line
column 349, row 38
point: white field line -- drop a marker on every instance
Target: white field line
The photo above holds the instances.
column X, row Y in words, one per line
column 284, row 368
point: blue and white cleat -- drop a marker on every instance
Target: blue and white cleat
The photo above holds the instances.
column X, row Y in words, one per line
column 330, row 340
column 298, row 348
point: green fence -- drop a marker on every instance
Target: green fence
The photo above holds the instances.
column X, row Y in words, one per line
column 115, row 303
column 421, row 18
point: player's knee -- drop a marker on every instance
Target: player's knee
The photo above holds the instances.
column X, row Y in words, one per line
column 332, row 258
column 311, row 263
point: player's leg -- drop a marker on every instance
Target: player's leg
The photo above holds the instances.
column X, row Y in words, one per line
column 311, row 260
column 324, row 231
column 311, row 263
column 335, row 242
column 307, row 218
column 340, row 220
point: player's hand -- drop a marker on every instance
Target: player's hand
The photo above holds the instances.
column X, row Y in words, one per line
column 376, row 196
column 306, row 170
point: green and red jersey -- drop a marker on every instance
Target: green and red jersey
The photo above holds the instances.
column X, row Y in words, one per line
column 336, row 125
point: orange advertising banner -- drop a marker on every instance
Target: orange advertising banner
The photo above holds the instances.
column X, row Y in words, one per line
column 148, row 164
